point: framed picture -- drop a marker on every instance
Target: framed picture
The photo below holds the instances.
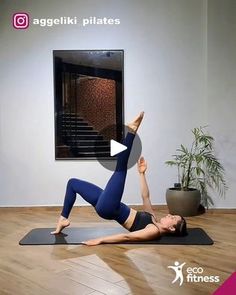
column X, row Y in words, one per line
column 88, row 102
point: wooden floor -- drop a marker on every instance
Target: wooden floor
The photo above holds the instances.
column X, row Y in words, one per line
column 108, row 269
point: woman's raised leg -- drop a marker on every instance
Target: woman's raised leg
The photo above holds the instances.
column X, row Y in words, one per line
column 109, row 204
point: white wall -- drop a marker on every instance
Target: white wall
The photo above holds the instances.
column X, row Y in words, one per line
column 165, row 75
column 221, row 91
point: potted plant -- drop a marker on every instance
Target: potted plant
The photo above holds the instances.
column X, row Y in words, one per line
column 198, row 170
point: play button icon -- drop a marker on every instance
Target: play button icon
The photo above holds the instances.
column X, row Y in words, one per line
column 116, row 147
column 111, row 145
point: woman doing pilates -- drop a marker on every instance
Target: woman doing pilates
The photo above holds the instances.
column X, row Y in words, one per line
column 142, row 225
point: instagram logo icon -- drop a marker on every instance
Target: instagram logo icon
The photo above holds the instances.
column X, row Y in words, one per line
column 20, row 20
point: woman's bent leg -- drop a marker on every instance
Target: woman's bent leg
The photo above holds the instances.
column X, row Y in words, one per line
column 88, row 191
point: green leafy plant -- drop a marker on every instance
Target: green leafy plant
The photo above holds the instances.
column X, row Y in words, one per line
column 199, row 168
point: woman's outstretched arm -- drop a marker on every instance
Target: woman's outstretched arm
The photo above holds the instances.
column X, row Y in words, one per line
column 142, row 167
column 146, row 234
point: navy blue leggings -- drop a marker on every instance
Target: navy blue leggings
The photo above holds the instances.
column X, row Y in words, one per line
column 107, row 202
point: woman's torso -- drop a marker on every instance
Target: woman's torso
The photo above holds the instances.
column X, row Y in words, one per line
column 150, row 219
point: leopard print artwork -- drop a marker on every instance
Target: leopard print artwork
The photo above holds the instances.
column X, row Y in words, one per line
column 96, row 103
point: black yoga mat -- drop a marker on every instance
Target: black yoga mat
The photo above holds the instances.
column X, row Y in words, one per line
column 76, row 235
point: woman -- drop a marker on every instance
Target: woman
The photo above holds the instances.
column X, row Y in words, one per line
column 142, row 225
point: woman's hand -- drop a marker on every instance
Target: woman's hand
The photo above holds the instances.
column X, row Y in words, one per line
column 142, row 165
column 93, row 242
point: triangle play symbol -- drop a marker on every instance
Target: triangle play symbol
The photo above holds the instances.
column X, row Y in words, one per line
column 116, row 147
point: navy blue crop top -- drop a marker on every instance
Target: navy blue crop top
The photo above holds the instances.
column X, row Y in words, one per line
column 141, row 220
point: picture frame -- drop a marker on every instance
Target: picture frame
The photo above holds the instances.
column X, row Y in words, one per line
column 88, row 102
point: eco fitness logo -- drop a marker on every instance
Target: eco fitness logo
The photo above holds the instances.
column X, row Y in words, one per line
column 194, row 274
column 21, row 20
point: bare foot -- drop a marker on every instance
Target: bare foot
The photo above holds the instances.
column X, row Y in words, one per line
column 133, row 126
column 62, row 223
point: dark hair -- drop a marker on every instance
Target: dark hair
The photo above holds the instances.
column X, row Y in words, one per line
column 181, row 227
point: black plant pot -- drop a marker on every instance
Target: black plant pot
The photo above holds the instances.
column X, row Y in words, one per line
column 181, row 202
